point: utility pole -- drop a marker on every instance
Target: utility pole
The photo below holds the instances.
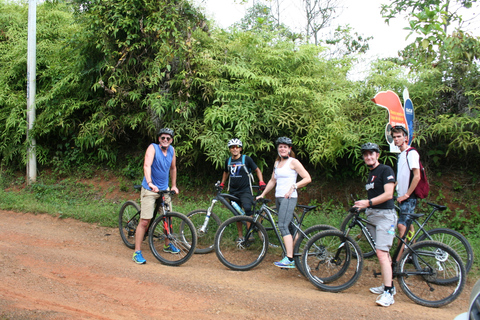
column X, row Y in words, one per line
column 31, row 90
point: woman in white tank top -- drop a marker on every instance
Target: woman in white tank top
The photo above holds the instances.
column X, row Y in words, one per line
column 284, row 176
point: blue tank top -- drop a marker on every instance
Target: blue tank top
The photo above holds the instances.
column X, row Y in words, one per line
column 160, row 168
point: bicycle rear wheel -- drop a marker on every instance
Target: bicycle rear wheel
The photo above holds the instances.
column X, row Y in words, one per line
column 331, row 261
column 128, row 219
column 205, row 234
column 435, row 278
column 302, row 240
column 245, row 253
column 176, row 229
column 357, row 235
column 454, row 240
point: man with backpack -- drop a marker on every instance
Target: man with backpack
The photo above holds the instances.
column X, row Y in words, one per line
column 408, row 178
column 238, row 170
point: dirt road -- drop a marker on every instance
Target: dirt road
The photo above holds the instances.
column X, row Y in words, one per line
column 64, row 269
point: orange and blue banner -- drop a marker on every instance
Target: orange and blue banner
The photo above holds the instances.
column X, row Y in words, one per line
column 398, row 115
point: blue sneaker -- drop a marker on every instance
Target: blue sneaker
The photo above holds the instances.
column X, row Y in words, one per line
column 285, row 263
column 138, row 258
column 170, row 248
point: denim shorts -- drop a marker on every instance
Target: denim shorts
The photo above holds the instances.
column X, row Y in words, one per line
column 406, row 207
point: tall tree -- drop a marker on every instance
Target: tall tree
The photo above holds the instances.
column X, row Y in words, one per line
column 319, row 14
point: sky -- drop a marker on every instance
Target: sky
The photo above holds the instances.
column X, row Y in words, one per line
column 363, row 16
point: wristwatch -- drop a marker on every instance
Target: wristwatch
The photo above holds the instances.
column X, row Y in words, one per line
column 370, row 203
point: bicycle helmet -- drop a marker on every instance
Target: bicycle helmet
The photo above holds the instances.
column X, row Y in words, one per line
column 284, row 140
column 235, row 142
column 400, row 128
column 166, row 131
column 370, row 146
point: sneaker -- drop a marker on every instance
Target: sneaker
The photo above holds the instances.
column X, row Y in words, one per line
column 381, row 289
column 239, row 240
column 385, row 299
column 170, row 248
column 285, row 263
column 138, row 258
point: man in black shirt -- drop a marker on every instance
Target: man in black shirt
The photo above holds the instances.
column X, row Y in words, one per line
column 238, row 170
column 380, row 211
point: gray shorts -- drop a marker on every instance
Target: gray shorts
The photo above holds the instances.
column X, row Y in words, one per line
column 383, row 219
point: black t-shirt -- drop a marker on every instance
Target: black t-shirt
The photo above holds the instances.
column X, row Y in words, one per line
column 239, row 178
column 377, row 178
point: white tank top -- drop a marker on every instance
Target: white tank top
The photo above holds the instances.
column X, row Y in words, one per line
column 285, row 177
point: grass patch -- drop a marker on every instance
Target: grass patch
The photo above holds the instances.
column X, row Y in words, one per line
column 86, row 201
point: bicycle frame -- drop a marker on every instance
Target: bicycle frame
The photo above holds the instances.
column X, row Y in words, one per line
column 422, row 225
column 265, row 212
column 363, row 222
column 225, row 199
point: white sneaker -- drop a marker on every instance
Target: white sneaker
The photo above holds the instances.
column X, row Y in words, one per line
column 385, row 299
column 381, row 289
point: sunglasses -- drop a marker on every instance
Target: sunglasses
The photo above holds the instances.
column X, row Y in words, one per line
column 236, row 147
column 165, row 138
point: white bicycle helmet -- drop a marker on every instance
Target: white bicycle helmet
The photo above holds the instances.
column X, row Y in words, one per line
column 235, row 142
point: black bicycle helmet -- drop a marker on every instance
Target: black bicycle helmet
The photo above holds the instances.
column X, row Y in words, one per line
column 235, row 142
column 400, row 128
column 284, row 140
column 166, row 131
column 370, row 146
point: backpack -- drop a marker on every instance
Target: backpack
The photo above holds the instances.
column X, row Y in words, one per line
column 248, row 170
column 422, row 189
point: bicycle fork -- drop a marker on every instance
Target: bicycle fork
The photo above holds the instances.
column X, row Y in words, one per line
column 203, row 228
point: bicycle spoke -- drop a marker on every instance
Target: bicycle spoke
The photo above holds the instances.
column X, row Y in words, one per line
column 172, row 239
column 128, row 221
column 240, row 253
column 431, row 274
column 331, row 261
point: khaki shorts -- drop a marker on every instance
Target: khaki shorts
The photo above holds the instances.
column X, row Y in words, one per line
column 383, row 219
column 147, row 203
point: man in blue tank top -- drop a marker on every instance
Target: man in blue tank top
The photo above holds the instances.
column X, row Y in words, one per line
column 159, row 166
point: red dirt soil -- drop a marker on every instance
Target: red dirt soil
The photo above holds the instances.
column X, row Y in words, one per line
column 52, row 268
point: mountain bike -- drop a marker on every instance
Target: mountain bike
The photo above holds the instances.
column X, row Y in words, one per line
column 450, row 237
column 429, row 272
column 168, row 226
column 249, row 251
column 207, row 222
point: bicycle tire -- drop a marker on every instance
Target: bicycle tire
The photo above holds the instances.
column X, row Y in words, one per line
column 332, row 262
column 180, row 231
column 301, row 241
column 205, row 238
column 441, row 262
column 128, row 219
column 245, row 254
column 357, row 235
column 454, row 240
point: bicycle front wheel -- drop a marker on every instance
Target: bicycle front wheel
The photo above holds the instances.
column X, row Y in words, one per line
column 357, row 235
column 454, row 240
column 331, row 261
column 431, row 274
column 128, row 219
column 301, row 241
column 172, row 238
column 241, row 253
column 206, row 229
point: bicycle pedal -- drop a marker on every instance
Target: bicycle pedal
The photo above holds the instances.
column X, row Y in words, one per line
column 375, row 273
